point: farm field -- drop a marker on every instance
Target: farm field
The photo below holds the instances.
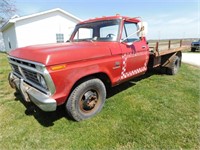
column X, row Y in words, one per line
column 150, row 112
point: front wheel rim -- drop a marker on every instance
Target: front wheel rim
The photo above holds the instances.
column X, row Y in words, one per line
column 89, row 102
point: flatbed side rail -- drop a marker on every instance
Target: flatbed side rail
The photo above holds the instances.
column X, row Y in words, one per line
column 162, row 54
column 158, row 51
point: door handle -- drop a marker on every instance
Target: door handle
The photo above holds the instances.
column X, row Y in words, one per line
column 143, row 47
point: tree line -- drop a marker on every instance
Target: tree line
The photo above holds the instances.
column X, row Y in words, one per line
column 7, row 9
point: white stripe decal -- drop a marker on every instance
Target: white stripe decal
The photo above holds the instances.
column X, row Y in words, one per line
column 125, row 74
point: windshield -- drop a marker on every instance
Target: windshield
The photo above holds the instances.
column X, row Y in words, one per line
column 106, row 30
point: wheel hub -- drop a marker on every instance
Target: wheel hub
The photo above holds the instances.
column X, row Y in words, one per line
column 89, row 101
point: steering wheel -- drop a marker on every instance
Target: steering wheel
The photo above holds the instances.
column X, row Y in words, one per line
column 110, row 35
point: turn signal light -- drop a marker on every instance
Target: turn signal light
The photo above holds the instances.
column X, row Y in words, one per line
column 58, row 67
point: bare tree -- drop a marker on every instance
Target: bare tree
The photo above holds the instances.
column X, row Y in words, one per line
column 7, row 9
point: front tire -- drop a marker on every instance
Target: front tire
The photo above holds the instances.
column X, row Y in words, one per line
column 86, row 100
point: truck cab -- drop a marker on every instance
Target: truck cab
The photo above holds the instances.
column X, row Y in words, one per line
column 120, row 35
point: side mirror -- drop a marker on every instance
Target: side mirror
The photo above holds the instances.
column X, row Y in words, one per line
column 129, row 43
column 142, row 28
column 126, row 43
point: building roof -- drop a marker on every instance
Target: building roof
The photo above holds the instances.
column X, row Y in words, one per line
column 16, row 18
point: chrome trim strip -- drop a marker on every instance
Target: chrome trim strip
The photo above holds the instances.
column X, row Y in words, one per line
column 49, row 82
column 28, row 61
column 26, row 67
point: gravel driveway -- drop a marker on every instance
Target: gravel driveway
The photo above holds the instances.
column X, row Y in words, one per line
column 191, row 58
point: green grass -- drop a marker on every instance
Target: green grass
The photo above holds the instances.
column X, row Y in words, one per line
column 151, row 112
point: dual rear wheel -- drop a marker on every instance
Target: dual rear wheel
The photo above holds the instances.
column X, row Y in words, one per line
column 175, row 65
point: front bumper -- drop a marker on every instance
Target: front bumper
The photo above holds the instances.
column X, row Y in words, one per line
column 29, row 93
column 196, row 47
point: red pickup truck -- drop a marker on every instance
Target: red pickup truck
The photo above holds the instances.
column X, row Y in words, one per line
column 101, row 53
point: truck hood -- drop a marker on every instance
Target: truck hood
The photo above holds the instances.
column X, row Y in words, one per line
column 53, row 54
column 197, row 42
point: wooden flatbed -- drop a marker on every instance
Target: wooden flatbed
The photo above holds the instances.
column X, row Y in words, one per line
column 164, row 58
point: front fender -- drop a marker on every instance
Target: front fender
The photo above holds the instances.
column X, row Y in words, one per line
column 65, row 79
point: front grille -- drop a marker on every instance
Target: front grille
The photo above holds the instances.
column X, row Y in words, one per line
column 30, row 75
column 196, row 45
column 16, row 69
column 27, row 71
column 23, row 63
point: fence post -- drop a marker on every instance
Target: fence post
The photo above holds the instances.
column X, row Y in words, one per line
column 169, row 44
column 157, row 44
column 181, row 42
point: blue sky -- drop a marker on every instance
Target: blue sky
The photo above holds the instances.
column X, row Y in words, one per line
column 166, row 18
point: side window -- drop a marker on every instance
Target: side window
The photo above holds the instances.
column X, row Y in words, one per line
column 109, row 32
column 130, row 32
column 60, row 38
column 84, row 33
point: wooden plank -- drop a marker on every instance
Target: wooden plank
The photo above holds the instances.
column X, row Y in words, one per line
column 171, row 49
column 168, row 51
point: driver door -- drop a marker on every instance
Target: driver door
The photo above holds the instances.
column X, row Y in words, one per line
column 134, row 52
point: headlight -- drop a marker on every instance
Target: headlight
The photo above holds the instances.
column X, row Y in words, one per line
column 41, row 80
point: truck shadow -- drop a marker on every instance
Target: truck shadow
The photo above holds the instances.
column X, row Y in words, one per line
column 47, row 119
column 124, row 86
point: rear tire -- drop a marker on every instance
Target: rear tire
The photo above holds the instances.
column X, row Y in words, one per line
column 176, row 63
column 86, row 100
